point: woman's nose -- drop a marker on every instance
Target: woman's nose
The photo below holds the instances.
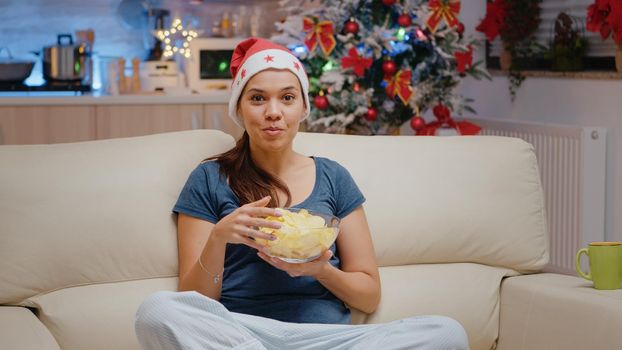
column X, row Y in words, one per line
column 273, row 110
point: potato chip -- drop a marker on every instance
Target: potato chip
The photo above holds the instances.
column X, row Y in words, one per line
column 302, row 236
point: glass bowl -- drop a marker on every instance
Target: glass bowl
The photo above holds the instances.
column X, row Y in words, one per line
column 304, row 236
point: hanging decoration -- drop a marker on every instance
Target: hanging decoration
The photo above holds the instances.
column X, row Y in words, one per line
column 355, row 61
column 443, row 10
column 399, row 85
column 176, row 39
column 319, row 33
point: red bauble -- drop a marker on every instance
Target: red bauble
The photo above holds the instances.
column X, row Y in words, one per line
column 320, row 102
column 351, row 27
column 460, row 28
column 417, row 123
column 389, row 67
column 372, row 114
column 404, row 20
column 441, row 113
column 388, row 2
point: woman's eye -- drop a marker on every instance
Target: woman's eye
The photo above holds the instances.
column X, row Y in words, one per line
column 256, row 98
column 289, row 98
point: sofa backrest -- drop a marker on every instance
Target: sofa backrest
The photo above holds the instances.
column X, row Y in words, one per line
column 92, row 212
column 100, row 211
column 445, row 199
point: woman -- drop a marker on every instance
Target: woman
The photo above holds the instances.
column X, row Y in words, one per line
column 232, row 295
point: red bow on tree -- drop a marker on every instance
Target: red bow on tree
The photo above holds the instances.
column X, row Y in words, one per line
column 443, row 116
column 319, row 33
column 464, row 59
column 400, row 85
column 359, row 63
column 447, row 10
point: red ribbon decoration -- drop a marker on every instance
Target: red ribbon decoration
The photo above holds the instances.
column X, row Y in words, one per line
column 463, row 127
column 464, row 60
column 319, row 33
column 400, row 85
column 359, row 63
column 447, row 10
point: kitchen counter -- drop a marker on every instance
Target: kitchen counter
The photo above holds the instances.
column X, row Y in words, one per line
column 68, row 99
column 43, row 118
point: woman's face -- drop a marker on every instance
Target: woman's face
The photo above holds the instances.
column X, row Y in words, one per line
column 271, row 107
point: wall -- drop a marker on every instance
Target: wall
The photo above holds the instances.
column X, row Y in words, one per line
column 558, row 101
column 27, row 26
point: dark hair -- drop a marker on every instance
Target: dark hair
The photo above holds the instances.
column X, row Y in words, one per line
column 248, row 181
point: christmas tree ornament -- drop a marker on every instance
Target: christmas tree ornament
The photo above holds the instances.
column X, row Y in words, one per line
column 417, row 123
column 400, row 86
column 355, row 61
column 441, row 112
column 464, row 60
column 320, row 101
column 460, row 28
column 388, row 2
column 351, row 27
column 372, row 114
column 389, row 67
column 404, row 20
column 443, row 10
column 319, row 33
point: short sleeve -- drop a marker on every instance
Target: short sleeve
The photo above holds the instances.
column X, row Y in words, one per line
column 196, row 197
column 348, row 194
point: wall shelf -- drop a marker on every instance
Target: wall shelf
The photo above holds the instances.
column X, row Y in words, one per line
column 598, row 75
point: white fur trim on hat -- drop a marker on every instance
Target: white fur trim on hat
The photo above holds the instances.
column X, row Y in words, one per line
column 262, row 60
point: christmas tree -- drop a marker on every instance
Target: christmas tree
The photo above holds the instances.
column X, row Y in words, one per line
column 376, row 64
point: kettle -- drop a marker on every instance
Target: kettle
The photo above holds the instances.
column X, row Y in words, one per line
column 67, row 61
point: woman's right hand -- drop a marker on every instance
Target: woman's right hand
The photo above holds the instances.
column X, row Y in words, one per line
column 239, row 226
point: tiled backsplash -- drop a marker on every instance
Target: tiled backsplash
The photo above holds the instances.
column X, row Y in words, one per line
column 27, row 26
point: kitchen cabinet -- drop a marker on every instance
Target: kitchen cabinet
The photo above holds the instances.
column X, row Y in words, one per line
column 36, row 120
column 216, row 117
column 21, row 125
column 137, row 120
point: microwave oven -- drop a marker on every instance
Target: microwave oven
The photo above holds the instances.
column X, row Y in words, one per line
column 207, row 69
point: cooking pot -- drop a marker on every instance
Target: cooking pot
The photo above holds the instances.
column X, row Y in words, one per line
column 66, row 61
column 14, row 70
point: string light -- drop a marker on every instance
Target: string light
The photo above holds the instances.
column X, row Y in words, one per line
column 177, row 39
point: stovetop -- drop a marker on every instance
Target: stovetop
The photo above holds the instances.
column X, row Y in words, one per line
column 76, row 87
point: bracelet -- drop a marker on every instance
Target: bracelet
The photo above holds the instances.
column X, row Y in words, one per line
column 215, row 277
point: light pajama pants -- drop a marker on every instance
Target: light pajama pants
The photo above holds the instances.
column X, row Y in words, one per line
column 190, row 320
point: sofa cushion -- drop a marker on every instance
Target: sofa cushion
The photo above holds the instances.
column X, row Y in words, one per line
column 552, row 311
column 20, row 329
column 99, row 316
column 93, row 212
column 445, row 199
column 466, row 292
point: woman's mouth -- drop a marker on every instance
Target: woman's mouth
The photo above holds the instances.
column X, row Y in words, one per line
column 273, row 131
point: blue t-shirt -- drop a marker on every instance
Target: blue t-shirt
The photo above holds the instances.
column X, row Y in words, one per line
column 252, row 286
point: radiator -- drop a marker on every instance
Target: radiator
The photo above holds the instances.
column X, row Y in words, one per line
column 572, row 162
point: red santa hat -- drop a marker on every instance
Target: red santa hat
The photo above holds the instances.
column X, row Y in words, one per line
column 253, row 55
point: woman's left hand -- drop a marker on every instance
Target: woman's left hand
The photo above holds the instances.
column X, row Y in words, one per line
column 312, row 268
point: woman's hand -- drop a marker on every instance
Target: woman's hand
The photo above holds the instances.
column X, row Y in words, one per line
column 238, row 226
column 313, row 268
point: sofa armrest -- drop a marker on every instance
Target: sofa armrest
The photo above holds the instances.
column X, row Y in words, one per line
column 552, row 311
column 21, row 329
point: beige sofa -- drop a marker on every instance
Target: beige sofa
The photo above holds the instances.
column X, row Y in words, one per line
column 86, row 232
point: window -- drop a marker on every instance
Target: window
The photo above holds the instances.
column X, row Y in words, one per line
column 600, row 54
